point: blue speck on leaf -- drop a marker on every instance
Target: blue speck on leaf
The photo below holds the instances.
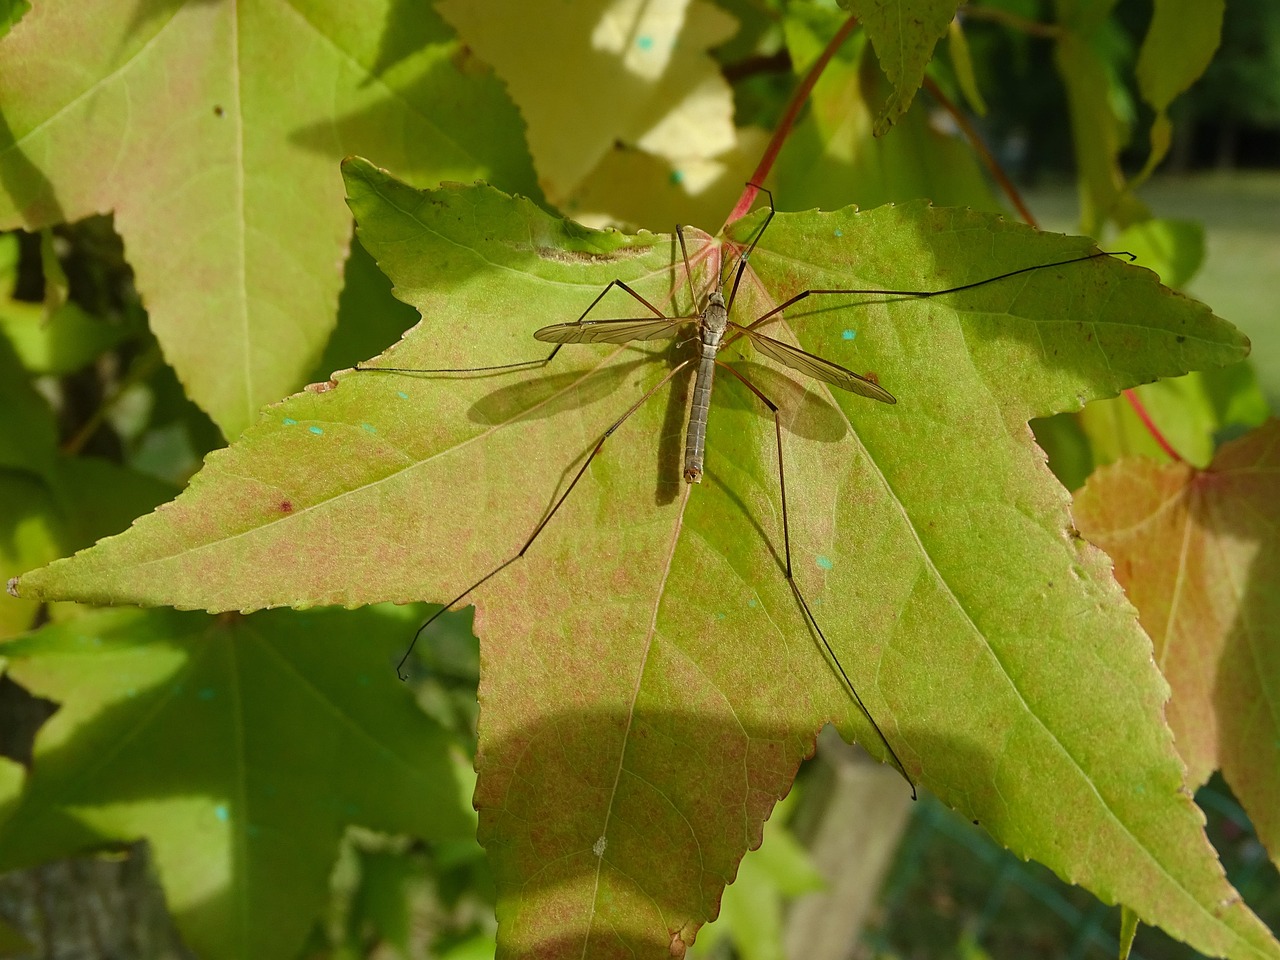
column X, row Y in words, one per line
column 849, row 334
column 368, row 428
column 839, row 232
column 402, row 395
column 824, row 562
column 644, row 42
column 753, row 603
column 289, row 421
column 676, row 178
column 207, row 693
column 220, row 811
column 316, row 430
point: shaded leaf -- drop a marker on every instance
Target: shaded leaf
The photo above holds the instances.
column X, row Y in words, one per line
column 904, row 33
column 1191, row 412
column 832, row 159
column 53, row 339
column 29, row 534
column 962, row 64
column 28, row 434
column 1172, row 248
column 239, row 748
column 368, row 315
column 97, row 498
column 1128, row 930
column 1198, row 552
column 648, row 684
column 1182, row 38
column 56, row 285
column 1097, row 133
column 224, row 182
column 1066, row 446
column 751, row 912
column 11, row 11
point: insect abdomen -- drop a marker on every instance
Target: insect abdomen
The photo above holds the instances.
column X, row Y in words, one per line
column 695, row 442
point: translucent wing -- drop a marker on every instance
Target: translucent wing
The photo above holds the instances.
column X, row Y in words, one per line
column 612, row 331
column 816, row 367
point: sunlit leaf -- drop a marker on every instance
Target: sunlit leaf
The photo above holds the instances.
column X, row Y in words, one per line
column 214, row 132
column 648, row 685
column 633, row 73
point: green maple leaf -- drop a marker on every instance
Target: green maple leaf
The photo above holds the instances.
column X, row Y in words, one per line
column 213, row 132
column 648, row 683
column 239, row 747
column 904, row 33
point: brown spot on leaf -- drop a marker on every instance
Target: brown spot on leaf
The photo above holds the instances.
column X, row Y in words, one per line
column 324, row 386
column 217, row 110
column 286, row 506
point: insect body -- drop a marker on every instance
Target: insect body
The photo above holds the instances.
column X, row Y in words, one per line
column 711, row 327
column 713, row 324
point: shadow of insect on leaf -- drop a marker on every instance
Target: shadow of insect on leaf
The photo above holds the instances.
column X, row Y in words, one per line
column 714, row 480
column 550, row 395
column 811, row 415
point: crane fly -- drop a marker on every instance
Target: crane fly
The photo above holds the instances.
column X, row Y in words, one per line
column 714, row 330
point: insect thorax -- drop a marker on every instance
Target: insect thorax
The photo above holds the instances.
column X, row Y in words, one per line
column 714, row 320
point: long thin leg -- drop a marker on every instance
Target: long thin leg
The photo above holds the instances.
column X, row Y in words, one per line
column 541, row 362
column 688, row 270
column 742, row 260
column 795, row 586
column 546, row 519
column 746, row 255
column 926, row 294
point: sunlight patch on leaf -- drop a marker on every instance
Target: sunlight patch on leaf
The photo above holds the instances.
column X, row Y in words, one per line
column 598, row 74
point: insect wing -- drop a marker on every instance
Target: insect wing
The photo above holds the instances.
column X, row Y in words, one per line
column 817, row 368
column 610, row 331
